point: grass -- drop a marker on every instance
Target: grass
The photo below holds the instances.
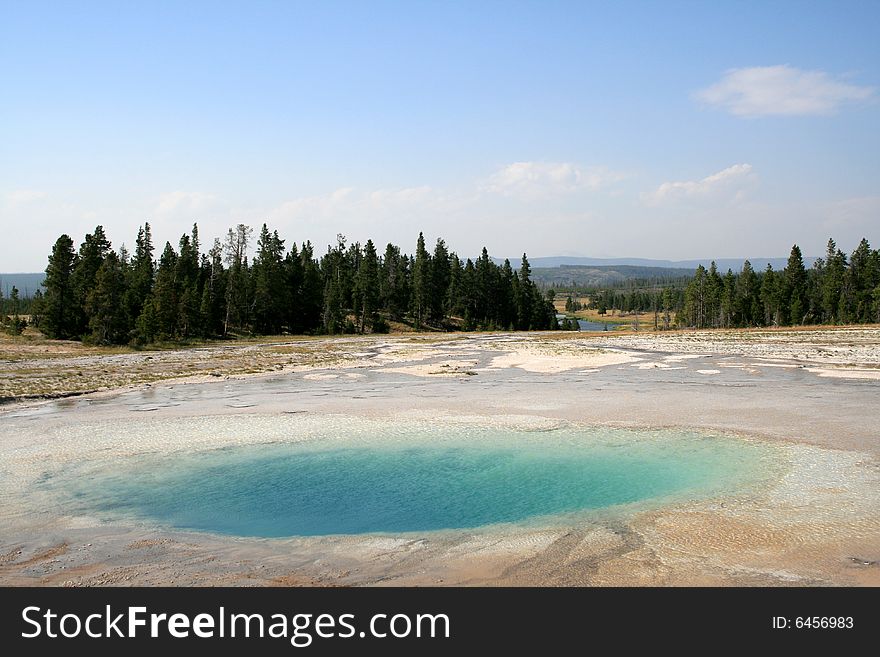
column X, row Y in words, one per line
column 32, row 366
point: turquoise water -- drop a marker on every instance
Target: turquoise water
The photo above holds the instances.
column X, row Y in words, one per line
column 491, row 476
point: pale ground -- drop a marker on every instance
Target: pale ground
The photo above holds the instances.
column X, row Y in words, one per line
column 814, row 393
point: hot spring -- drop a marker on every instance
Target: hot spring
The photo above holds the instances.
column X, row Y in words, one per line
column 391, row 479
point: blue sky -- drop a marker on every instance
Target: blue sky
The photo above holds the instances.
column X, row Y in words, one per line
column 665, row 130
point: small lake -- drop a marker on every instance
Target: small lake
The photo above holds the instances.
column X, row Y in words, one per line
column 586, row 325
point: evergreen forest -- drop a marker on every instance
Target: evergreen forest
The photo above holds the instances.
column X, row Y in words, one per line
column 103, row 296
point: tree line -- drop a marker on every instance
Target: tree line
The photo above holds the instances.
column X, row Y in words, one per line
column 667, row 299
column 836, row 290
column 118, row 297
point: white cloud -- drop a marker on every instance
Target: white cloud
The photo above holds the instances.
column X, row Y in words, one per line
column 781, row 90
column 542, row 179
column 383, row 198
column 347, row 201
column 311, row 207
column 730, row 181
column 176, row 203
column 22, row 196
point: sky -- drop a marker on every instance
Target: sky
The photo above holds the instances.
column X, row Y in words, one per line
column 669, row 130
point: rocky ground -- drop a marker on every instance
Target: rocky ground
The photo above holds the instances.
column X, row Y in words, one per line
column 35, row 368
column 812, row 391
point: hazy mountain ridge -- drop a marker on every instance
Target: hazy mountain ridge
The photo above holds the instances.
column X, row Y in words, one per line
column 596, row 276
column 27, row 283
column 723, row 264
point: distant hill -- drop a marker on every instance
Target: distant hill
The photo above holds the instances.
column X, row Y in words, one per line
column 27, row 284
column 723, row 264
column 590, row 276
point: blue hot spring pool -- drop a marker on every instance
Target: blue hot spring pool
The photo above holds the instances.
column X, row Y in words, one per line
column 416, row 483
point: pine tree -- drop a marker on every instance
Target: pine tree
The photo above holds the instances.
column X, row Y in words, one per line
column 545, row 312
column 864, row 276
column 748, row 311
column 351, row 262
column 876, row 318
column 107, row 315
column 165, row 300
column 211, row 306
column 507, row 301
column 147, row 325
column 14, row 323
column 771, row 297
column 421, row 293
column 388, row 281
column 696, row 311
column 237, row 279
column 714, row 290
column 796, row 287
column 92, row 252
column 312, row 289
column 469, row 295
column 541, row 313
column 60, row 306
column 367, row 286
column 831, row 286
column 440, row 276
column 187, row 280
column 728, row 300
column 404, row 288
column 140, row 274
column 525, row 298
column 268, row 277
column 454, row 292
column 394, row 283
column 292, row 291
column 876, row 293
column 485, row 290
column 337, row 279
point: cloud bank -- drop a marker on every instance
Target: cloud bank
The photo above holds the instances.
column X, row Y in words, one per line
column 730, row 182
column 781, row 91
column 543, row 179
